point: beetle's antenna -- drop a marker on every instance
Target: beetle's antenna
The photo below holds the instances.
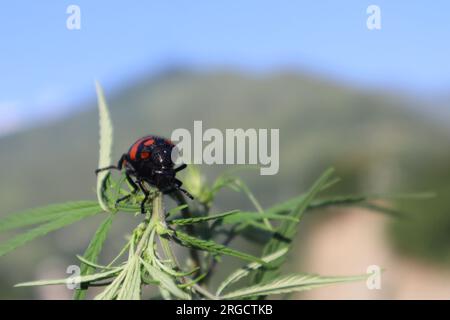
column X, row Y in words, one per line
column 186, row 193
column 118, row 167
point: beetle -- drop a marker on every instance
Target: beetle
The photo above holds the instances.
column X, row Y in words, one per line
column 149, row 160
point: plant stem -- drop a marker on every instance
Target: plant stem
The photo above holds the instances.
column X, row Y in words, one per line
column 158, row 217
column 191, row 230
column 144, row 239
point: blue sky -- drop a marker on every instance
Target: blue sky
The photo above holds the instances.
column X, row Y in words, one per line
column 47, row 69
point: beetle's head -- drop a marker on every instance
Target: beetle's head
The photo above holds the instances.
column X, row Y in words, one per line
column 162, row 156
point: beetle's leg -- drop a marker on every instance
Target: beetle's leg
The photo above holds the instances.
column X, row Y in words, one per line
column 123, row 199
column 182, row 167
column 133, row 186
column 106, row 168
column 178, row 185
column 146, row 194
column 118, row 167
column 190, row 196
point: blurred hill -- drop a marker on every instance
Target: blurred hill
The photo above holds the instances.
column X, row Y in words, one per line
column 374, row 139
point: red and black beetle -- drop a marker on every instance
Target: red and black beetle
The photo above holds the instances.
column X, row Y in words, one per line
column 149, row 160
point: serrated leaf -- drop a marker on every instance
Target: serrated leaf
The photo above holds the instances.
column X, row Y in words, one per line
column 363, row 201
column 242, row 272
column 389, row 211
column 106, row 142
column 92, row 264
column 214, row 247
column 79, row 279
column 287, row 230
column 289, row 283
column 234, row 217
column 165, row 281
column 131, row 286
column 194, row 281
column 111, row 291
column 288, row 205
column 42, row 214
column 182, row 222
column 358, row 199
column 336, row 201
column 236, row 184
column 92, row 252
column 242, row 217
column 175, row 210
column 41, row 230
column 173, row 272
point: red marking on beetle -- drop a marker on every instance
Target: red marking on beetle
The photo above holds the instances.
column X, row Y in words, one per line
column 145, row 155
column 135, row 147
column 149, row 142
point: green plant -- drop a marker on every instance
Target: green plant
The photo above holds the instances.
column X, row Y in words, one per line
column 151, row 258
